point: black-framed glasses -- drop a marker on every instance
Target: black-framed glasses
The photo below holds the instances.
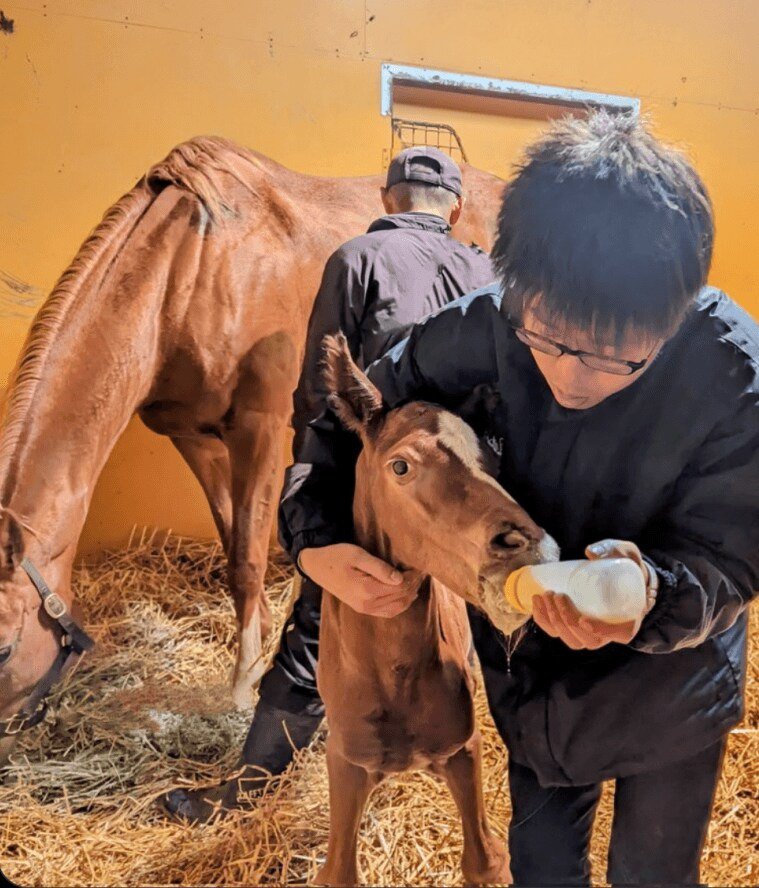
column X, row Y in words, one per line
column 596, row 362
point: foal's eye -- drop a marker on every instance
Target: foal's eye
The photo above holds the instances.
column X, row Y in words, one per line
column 400, row 466
column 5, row 652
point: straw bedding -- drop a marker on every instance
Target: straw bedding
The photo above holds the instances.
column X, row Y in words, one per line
column 150, row 709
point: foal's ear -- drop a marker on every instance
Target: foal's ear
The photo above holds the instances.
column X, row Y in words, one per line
column 357, row 403
column 478, row 408
column 11, row 543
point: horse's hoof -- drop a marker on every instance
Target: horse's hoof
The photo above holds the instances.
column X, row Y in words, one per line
column 244, row 684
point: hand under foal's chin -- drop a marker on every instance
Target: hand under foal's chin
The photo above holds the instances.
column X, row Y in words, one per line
column 367, row 584
column 559, row 618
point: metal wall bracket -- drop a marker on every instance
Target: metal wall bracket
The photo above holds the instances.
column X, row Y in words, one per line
column 473, row 84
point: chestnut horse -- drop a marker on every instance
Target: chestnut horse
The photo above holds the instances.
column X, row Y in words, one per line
column 187, row 305
column 399, row 693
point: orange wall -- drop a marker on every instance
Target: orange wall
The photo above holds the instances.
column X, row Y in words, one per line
column 94, row 91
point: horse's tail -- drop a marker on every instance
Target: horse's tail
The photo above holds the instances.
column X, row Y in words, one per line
column 202, row 166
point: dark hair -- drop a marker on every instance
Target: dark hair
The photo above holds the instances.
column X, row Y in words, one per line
column 606, row 226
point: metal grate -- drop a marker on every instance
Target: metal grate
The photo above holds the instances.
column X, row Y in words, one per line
column 407, row 133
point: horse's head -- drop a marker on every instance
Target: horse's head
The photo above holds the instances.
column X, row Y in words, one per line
column 423, row 493
column 30, row 640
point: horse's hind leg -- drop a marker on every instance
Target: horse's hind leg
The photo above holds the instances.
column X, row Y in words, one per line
column 485, row 860
column 349, row 788
column 256, row 453
column 256, row 439
column 209, row 460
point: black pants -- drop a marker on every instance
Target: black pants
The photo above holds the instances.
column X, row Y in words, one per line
column 290, row 683
column 658, row 829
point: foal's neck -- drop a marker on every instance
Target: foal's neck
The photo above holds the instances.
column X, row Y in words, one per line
column 418, row 625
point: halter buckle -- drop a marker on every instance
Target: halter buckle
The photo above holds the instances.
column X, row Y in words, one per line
column 54, row 606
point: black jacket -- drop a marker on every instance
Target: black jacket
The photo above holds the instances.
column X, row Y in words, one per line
column 376, row 286
column 671, row 463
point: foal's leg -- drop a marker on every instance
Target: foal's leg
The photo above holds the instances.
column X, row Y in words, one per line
column 208, row 458
column 485, row 860
column 349, row 788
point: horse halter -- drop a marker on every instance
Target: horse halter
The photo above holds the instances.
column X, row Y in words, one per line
column 74, row 642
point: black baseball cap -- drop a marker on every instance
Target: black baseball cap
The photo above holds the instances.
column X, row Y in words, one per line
column 425, row 164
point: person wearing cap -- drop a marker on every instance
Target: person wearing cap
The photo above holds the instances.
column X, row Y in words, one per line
column 374, row 288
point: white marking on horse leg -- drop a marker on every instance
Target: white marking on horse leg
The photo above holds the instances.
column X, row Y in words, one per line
column 250, row 664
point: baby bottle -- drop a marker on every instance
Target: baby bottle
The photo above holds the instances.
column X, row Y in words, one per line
column 609, row 589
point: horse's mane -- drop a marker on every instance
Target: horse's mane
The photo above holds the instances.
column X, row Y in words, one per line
column 50, row 318
column 196, row 166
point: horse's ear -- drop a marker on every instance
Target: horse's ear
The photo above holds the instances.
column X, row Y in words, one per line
column 478, row 411
column 11, row 543
column 357, row 403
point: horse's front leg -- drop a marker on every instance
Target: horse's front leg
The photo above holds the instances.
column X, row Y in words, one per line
column 349, row 788
column 485, row 860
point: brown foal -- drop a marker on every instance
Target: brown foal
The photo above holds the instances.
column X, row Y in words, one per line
column 399, row 692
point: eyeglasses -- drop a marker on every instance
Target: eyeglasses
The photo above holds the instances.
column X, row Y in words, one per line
column 596, row 362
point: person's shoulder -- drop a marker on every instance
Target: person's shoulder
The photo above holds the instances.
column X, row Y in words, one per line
column 353, row 258
column 472, row 256
column 359, row 246
column 473, row 316
column 729, row 322
column 472, row 252
column 729, row 330
column 482, row 302
column 722, row 349
column 457, row 343
column 381, row 247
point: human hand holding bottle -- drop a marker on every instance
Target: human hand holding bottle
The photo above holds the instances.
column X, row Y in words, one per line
column 559, row 617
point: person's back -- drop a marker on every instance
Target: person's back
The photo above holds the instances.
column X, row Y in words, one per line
column 374, row 288
column 406, row 266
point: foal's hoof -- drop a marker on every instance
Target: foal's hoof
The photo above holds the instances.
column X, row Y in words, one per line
column 494, row 870
column 328, row 877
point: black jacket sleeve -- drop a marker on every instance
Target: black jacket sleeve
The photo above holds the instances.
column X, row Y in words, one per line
column 339, row 305
column 706, row 547
column 431, row 364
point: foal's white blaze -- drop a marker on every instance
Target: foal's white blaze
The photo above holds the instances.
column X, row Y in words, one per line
column 460, row 439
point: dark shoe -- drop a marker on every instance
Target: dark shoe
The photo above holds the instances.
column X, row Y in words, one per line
column 268, row 750
column 201, row 805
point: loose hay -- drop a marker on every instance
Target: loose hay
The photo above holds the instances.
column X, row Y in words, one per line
column 150, row 709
